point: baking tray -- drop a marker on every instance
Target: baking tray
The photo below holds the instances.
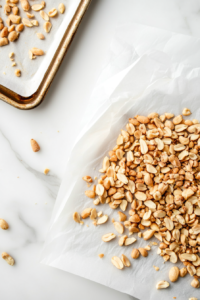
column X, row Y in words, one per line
column 35, row 99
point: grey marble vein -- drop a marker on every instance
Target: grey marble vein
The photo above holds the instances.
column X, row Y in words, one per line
column 50, row 181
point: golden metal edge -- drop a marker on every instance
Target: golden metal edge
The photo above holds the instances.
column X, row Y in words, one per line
column 34, row 100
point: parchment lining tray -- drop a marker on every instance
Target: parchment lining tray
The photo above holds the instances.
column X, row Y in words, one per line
column 48, row 67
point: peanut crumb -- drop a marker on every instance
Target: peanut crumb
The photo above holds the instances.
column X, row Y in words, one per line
column 156, row 268
column 113, row 220
column 101, row 255
column 11, row 54
column 14, row 64
column 154, row 243
column 147, row 247
column 46, row 171
column 88, row 185
column 17, row 73
column 95, row 178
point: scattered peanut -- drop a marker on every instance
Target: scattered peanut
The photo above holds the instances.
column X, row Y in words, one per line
column 61, row 8
column 40, row 36
column 18, row 74
column 25, row 5
column 37, row 52
column 162, row 285
column 195, row 283
column 47, row 27
column 53, row 12
column 125, row 260
column 174, row 274
column 186, row 112
column 3, row 224
column 135, row 253
column 46, row 171
column 8, row 258
column 101, row 255
column 35, row 146
column 116, row 261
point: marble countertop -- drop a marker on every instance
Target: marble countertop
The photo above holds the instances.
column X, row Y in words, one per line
column 27, row 195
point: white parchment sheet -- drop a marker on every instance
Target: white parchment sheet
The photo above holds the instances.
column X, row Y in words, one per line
column 33, row 71
column 147, row 70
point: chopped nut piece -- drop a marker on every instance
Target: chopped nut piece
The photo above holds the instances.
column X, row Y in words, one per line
column 25, row 5
column 125, row 260
column 44, row 15
column 129, row 241
column 102, row 220
column 122, row 240
column 20, row 27
column 61, row 8
column 116, row 261
column 4, row 32
column 35, row 146
column 183, row 272
column 148, row 234
column 15, row 10
column 90, row 194
column 101, row 255
column 46, row 171
column 162, row 285
column 13, row 36
column 77, row 217
column 53, row 12
column 186, row 112
column 27, row 22
column 3, row 42
column 47, row 27
column 86, row 213
column 41, row 37
column 34, row 22
column 8, row 258
column 30, row 16
column 93, row 214
column 14, row 19
column 156, row 268
column 108, row 237
column 3, row 224
column 135, row 253
column 37, row 7
column 174, row 274
column 17, row 72
column 195, row 283
column 11, row 28
column 143, row 252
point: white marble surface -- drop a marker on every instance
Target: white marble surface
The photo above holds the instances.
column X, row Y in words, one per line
column 27, row 195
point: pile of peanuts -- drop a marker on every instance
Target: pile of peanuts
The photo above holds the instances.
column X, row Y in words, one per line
column 155, row 168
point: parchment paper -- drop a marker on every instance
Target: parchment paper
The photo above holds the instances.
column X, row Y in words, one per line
column 147, row 70
column 33, row 70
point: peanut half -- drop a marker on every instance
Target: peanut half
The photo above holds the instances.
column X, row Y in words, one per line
column 61, row 8
column 8, row 258
column 3, row 224
column 174, row 274
column 162, row 285
column 25, row 5
column 35, row 146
